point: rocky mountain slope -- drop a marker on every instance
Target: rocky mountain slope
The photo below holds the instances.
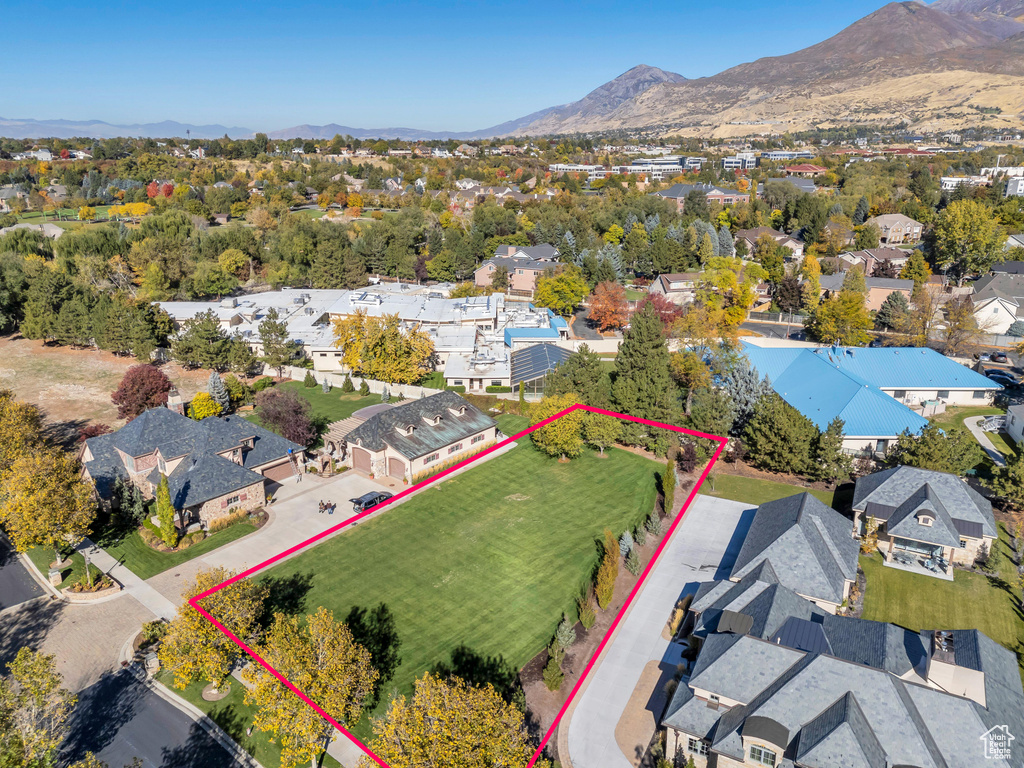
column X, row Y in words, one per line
column 1002, row 18
column 878, row 57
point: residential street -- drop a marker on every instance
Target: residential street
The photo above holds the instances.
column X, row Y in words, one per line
column 16, row 585
column 703, row 548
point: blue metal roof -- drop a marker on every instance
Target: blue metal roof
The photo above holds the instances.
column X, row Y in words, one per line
column 845, row 382
column 516, row 334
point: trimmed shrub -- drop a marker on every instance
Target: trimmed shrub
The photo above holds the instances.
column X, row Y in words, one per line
column 625, row 544
column 565, row 635
column 154, row 630
column 232, row 518
column 586, row 610
column 633, row 563
column 497, row 390
column 325, row 385
column 149, row 538
column 364, row 389
column 348, row 387
column 668, row 486
column 640, row 535
column 428, row 473
column 608, row 572
column 653, row 525
column 309, row 381
column 264, row 382
column 459, row 389
column 553, row 675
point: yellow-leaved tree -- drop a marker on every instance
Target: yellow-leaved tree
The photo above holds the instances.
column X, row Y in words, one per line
column 378, row 348
column 36, row 710
column 194, row 649
column 563, row 437
column 319, row 657
column 21, row 427
column 450, row 724
column 203, row 406
column 45, row 501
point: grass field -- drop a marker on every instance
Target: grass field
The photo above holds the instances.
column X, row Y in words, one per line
column 41, row 558
column 752, row 490
column 954, row 417
column 488, row 560
column 233, row 715
column 970, row 601
column 333, row 406
column 146, row 562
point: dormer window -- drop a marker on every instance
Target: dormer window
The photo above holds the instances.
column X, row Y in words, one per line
column 458, row 411
column 407, row 430
column 432, row 420
column 925, row 519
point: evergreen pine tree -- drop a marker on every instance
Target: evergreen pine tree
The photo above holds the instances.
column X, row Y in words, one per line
column 830, row 461
column 780, row 438
column 348, row 388
column 216, row 389
column 745, row 389
column 642, row 385
column 726, row 246
column 327, row 270
column 73, row 327
column 165, row 513
column 893, row 310
column 860, row 215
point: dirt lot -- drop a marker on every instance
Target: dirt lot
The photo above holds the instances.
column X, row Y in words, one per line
column 73, row 386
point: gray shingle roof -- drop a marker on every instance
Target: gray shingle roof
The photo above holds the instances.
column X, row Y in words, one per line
column 202, row 475
column 840, row 737
column 889, row 489
column 383, row 428
column 810, row 546
column 908, row 520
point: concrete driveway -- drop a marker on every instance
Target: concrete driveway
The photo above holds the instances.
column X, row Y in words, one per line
column 295, row 518
column 639, row 660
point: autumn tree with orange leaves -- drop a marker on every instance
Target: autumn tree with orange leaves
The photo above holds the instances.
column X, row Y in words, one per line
column 608, row 306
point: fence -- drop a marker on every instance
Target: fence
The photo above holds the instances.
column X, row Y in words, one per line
column 408, row 391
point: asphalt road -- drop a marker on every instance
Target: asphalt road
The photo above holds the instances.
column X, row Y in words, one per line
column 16, row 586
column 120, row 719
column 794, row 330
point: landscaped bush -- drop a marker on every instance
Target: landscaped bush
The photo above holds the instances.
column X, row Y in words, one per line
column 497, row 390
column 625, row 544
column 99, row 581
column 153, row 631
column 192, row 538
column 640, row 535
column 586, row 610
column 460, row 389
column 231, row 518
column 653, row 525
column 428, row 473
column 264, row 382
column 565, row 635
column 608, row 572
column 348, row 387
column 633, row 563
column 552, row 674
column 364, row 389
column 309, row 381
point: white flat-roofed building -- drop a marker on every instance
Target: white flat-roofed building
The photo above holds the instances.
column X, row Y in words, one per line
column 594, row 172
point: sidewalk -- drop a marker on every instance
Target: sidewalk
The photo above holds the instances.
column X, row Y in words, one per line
column 973, row 423
column 130, row 583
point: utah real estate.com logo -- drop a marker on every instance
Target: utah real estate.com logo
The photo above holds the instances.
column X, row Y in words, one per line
column 997, row 742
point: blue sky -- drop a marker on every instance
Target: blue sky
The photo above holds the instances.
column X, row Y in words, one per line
column 456, row 66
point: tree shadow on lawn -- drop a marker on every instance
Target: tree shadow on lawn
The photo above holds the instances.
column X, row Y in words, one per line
column 64, row 433
column 287, row 595
column 479, row 670
column 375, row 630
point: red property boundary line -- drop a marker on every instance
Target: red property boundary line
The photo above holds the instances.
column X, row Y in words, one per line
column 721, row 441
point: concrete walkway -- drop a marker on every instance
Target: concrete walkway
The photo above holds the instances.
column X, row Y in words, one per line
column 703, row 548
column 973, row 423
column 130, row 583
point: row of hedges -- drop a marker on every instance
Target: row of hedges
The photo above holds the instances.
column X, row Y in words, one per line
column 437, row 469
column 498, row 390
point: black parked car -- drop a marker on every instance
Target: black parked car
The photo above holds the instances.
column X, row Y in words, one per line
column 368, row 500
column 999, row 357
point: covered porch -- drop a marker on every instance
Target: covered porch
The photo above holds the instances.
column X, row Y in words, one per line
column 918, row 557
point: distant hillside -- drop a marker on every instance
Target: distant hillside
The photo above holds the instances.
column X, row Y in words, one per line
column 326, row 132
column 877, row 57
column 1002, row 18
column 97, row 129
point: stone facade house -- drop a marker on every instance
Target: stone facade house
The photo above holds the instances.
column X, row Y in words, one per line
column 212, row 466
column 524, row 265
column 925, row 520
column 411, row 438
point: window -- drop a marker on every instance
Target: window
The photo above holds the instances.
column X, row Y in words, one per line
column 431, row 458
column 963, row 543
column 899, row 394
column 942, row 394
column 519, row 271
column 454, row 448
column 713, row 698
column 477, row 439
column 763, row 756
column 457, row 383
column 980, row 394
column 696, row 747
column 995, row 310
column 232, row 500
column 495, row 382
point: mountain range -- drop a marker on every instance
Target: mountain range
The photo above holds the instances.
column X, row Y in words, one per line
column 947, row 65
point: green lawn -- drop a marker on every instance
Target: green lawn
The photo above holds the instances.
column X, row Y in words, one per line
column 41, row 557
column 488, row 560
column 1005, row 444
column 145, row 562
column 970, row 601
column 234, row 716
column 434, row 380
column 754, row 491
column 634, row 295
column 954, row 417
column 334, row 406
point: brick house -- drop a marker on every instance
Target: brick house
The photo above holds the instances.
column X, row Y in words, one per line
column 410, row 438
column 212, row 466
column 678, row 193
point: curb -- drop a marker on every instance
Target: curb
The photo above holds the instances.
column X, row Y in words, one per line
column 198, row 716
column 34, row 572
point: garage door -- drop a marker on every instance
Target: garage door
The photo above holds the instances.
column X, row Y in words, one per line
column 361, row 459
column 279, row 472
column 396, row 468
